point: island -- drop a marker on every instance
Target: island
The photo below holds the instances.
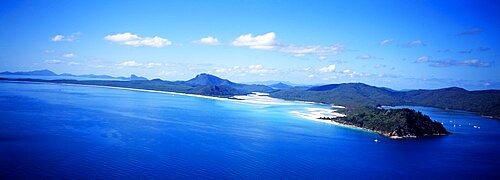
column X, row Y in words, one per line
column 392, row 123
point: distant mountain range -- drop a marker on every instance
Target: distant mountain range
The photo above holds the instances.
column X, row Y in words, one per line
column 46, row 72
column 32, row 73
column 351, row 95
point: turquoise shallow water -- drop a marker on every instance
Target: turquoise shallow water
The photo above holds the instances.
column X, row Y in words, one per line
column 50, row 131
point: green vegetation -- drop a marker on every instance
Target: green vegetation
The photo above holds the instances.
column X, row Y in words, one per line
column 356, row 95
column 395, row 123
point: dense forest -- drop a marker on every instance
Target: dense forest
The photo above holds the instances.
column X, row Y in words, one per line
column 396, row 123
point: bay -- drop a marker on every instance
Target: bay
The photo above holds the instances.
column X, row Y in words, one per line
column 54, row 131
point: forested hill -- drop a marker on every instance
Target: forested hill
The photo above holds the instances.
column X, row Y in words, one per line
column 394, row 123
column 485, row 102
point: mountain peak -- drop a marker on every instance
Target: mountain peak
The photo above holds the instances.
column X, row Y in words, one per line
column 280, row 85
column 208, row 79
column 133, row 77
column 206, row 75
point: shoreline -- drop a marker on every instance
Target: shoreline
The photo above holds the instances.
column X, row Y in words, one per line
column 313, row 114
column 236, row 98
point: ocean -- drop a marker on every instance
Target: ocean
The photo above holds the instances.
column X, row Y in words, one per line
column 55, row 131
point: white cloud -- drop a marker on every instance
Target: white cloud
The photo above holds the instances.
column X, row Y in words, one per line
column 311, row 76
column 134, row 40
column 329, row 68
column 386, row 41
column 415, row 43
column 69, row 55
column 132, row 63
column 152, row 64
column 73, row 63
column 352, row 74
column 168, row 73
column 209, row 40
column 312, row 49
column 58, row 38
column 364, row 56
column 258, row 69
column 452, row 62
column 53, row 61
column 472, row 62
column 69, row 38
column 268, row 42
column 322, row 57
column 265, row 41
column 423, row 59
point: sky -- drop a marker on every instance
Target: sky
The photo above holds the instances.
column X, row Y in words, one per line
column 396, row 44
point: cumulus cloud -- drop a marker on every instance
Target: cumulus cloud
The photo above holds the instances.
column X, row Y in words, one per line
column 386, row 41
column 265, row 41
column 58, row 38
column 415, row 43
column 135, row 40
column 472, row 31
column 329, row 68
column 69, row 55
column 67, row 38
column 208, row 40
column 268, row 42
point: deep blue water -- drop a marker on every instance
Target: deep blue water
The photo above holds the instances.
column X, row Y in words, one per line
column 50, row 131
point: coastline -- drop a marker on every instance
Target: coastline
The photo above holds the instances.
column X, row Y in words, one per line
column 313, row 114
column 237, row 98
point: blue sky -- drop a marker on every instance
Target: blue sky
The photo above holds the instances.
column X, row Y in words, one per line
column 396, row 44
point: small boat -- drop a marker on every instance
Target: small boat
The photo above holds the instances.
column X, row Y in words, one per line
column 376, row 140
